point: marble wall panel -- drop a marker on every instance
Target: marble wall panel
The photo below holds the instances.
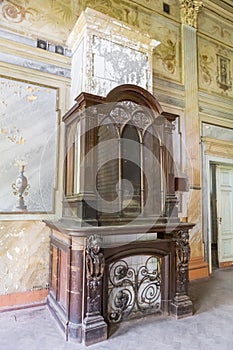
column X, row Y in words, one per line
column 24, row 256
column 195, row 216
column 28, row 132
column 217, row 132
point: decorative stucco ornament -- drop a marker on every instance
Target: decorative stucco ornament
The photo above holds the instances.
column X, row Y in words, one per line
column 189, row 10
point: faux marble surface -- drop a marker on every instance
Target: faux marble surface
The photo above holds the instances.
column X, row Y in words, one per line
column 24, row 256
column 217, row 132
column 28, row 126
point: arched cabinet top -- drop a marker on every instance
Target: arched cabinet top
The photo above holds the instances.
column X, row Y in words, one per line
column 126, row 92
column 136, row 94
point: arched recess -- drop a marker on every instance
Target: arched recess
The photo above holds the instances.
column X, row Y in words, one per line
column 120, row 262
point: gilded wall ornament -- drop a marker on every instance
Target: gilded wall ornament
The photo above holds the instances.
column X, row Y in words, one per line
column 189, row 10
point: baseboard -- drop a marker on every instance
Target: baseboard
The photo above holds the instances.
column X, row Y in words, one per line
column 226, row 264
column 22, row 300
column 198, row 268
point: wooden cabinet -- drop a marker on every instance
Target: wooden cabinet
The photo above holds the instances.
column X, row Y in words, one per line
column 119, row 209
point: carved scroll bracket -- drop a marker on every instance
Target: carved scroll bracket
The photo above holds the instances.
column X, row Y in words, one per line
column 182, row 305
column 94, row 273
column 94, row 329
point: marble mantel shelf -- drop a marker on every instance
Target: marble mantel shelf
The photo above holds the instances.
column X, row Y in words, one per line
column 167, row 228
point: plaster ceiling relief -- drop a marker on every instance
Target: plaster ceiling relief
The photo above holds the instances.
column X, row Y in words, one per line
column 48, row 19
column 53, row 20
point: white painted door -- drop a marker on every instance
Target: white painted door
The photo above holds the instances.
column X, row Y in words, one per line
column 224, row 183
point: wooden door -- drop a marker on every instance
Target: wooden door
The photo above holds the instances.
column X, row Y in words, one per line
column 224, row 183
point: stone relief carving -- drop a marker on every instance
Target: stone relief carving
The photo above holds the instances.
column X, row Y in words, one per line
column 189, row 10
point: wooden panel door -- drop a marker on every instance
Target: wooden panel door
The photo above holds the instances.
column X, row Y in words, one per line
column 224, row 182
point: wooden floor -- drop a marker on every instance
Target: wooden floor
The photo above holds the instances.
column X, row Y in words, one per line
column 211, row 327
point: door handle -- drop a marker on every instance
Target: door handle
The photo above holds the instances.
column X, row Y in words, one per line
column 220, row 220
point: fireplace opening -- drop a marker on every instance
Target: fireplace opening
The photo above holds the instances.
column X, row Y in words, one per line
column 134, row 288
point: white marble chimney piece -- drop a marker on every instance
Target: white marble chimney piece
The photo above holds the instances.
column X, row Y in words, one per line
column 107, row 53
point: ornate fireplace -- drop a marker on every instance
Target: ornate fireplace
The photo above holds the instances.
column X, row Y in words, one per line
column 120, row 250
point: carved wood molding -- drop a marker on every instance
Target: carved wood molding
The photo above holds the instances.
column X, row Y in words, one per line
column 94, row 272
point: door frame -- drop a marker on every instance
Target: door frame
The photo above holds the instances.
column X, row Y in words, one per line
column 208, row 160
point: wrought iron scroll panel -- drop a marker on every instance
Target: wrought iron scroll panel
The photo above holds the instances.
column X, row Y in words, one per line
column 134, row 288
